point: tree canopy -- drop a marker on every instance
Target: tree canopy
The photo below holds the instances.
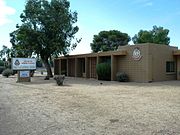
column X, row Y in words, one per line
column 47, row 28
column 6, row 52
column 109, row 40
column 157, row 35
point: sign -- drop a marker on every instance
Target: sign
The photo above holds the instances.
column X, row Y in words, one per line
column 23, row 63
column 136, row 54
column 24, row 74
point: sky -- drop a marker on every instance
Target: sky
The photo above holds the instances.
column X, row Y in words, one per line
column 127, row 16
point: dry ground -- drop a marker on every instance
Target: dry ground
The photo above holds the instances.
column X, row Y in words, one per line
column 86, row 107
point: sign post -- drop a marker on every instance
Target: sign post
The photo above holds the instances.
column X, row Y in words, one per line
column 24, row 66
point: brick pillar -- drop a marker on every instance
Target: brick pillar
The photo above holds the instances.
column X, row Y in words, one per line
column 76, row 67
column 86, row 68
column 178, row 67
column 112, row 67
column 97, row 62
column 67, row 67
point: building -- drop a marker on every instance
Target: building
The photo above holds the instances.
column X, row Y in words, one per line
column 142, row 63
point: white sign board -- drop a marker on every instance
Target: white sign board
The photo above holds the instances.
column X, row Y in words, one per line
column 24, row 74
column 23, row 63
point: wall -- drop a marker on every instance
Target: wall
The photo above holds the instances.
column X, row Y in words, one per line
column 137, row 70
column 160, row 55
column 152, row 65
column 178, row 67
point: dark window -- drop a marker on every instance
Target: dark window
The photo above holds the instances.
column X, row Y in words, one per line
column 170, row 66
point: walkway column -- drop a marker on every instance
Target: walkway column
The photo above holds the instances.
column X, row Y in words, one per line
column 178, row 67
column 67, row 62
column 97, row 62
column 112, row 68
column 86, row 68
column 76, row 67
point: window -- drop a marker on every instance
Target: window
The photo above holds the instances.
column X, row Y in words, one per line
column 170, row 66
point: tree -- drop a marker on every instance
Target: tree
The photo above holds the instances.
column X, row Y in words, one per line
column 157, row 35
column 7, row 52
column 109, row 40
column 47, row 29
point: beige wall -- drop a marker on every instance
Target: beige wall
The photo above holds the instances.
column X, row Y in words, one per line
column 160, row 55
column 137, row 70
column 152, row 65
column 178, row 67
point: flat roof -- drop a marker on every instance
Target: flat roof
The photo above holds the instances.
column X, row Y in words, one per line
column 121, row 52
column 107, row 53
column 176, row 53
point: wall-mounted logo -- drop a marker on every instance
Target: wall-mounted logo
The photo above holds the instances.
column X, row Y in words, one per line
column 17, row 63
column 136, row 54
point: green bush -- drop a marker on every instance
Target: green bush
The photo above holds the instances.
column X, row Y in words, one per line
column 104, row 71
column 122, row 77
column 7, row 72
column 1, row 69
column 1, row 63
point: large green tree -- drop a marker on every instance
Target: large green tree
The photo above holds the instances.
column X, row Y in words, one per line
column 109, row 40
column 157, row 35
column 48, row 28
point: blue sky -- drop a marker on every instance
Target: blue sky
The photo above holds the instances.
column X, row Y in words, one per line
column 128, row 16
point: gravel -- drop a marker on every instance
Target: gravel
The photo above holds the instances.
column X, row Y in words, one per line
column 88, row 107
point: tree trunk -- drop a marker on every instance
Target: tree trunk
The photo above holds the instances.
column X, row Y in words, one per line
column 47, row 66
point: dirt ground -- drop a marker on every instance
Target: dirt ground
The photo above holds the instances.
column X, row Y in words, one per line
column 88, row 107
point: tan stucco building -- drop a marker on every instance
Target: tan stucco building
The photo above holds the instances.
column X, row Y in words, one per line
column 142, row 63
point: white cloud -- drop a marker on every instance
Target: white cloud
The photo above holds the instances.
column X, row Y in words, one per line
column 148, row 4
column 144, row 3
column 5, row 12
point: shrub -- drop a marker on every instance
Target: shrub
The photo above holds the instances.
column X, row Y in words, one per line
column 1, row 63
column 1, row 69
column 7, row 72
column 104, row 71
column 59, row 79
column 122, row 77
